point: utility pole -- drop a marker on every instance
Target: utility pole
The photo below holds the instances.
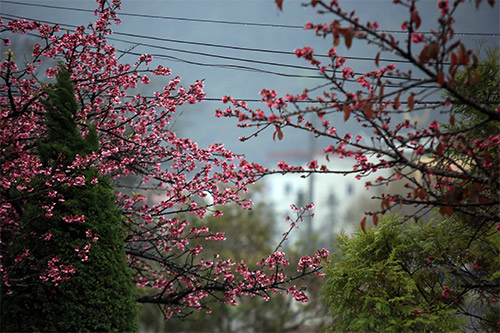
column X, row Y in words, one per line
column 308, row 220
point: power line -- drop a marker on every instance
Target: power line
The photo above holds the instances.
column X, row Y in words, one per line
column 226, row 66
column 229, row 66
column 269, row 63
column 219, row 46
column 164, row 17
column 247, row 48
column 261, row 62
column 208, row 44
column 269, row 25
column 226, row 58
column 253, row 69
column 254, row 100
column 243, row 59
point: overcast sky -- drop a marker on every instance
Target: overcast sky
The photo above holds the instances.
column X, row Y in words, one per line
column 279, row 32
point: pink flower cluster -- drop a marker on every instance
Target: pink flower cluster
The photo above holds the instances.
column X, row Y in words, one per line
column 74, row 218
column 313, row 263
column 57, row 272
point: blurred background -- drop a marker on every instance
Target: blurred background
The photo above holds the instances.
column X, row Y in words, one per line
column 238, row 48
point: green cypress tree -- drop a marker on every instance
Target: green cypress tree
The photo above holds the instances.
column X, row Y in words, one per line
column 64, row 140
column 438, row 276
column 99, row 295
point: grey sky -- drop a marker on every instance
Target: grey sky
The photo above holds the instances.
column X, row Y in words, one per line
column 197, row 122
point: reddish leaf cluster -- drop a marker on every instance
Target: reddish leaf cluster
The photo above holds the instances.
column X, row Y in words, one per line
column 444, row 167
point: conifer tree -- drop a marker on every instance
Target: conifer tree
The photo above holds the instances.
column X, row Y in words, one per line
column 86, row 237
column 442, row 275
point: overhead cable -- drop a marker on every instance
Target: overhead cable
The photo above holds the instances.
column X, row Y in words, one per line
column 254, row 100
column 11, row 16
column 269, row 63
column 232, row 66
column 227, row 66
column 270, row 25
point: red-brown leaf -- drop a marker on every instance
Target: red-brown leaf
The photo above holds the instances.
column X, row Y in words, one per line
column 396, row 100
column 347, row 112
column 375, row 219
column 454, row 59
column 279, row 3
column 440, row 78
column 388, row 203
column 411, row 101
column 393, row 41
column 369, row 110
column 348, row 35
column 416, row 19
column 363, row 224
column 461, row 55
column 441, row 148
column 377, row 58
column 446, row 210
column 336, row 41
column 424, row 55
column 381, row 91
column 280, row 134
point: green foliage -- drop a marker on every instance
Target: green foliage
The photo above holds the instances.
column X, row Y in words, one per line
column 99, row 295
column 436, row 276
column 481, row 84
column 64, row 140
column 418, row 277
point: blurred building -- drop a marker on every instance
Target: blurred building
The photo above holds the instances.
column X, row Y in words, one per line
column 334, row 197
